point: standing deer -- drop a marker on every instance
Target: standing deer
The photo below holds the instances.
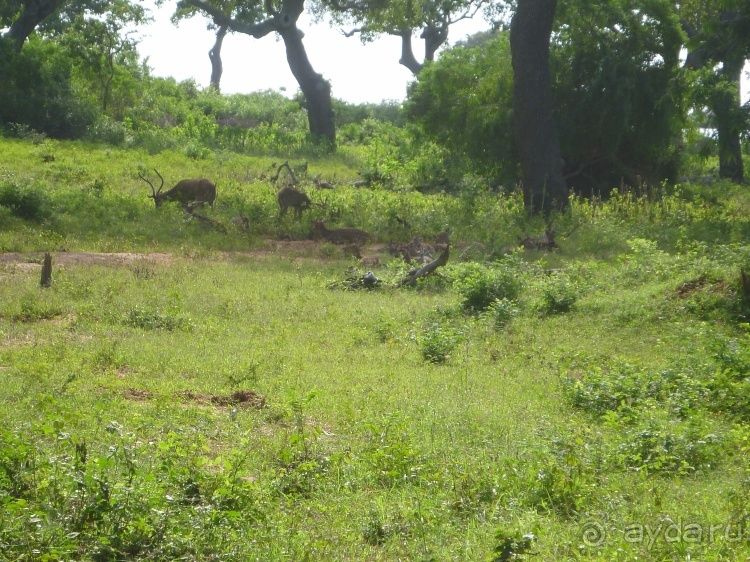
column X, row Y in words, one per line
column 190, row 193
column 290, row 197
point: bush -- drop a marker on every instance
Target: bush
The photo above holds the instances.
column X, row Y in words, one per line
column 24, row 202
column 559, row 294
column 37, row 91
column 482, row 285
column 437, row 343
column 501, row 312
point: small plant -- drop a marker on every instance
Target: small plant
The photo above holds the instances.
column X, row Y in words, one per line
column 502, row 312
column 437, row 342
column 559, row 294
column 653, row 448
column 511, row 546
column 376, row 532
column 386, row 330
column 155, row 320
column 391, row 455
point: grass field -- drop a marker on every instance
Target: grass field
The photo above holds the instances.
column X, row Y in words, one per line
column 230, row 398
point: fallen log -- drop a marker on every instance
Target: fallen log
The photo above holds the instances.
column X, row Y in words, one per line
column 425, row 270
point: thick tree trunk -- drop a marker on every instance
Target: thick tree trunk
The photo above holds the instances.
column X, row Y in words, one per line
column 724, row 98
column 725, row 104
column 315, row 88
column 535, row 131
column 407, row 53
column 217, row 68
column 34, row 13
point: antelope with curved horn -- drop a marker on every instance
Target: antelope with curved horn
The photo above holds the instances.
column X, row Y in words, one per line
column 190, row 193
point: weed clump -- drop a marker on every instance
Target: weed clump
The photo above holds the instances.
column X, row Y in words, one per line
column 502, row 312
column 146, row 319
column 481, row 285
column 436, row 342
column 559, row 294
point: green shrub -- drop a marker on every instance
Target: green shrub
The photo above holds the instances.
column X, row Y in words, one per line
column 501, row 312
column 147, row 319
column 481, row 285
column 654, row 448
column 559, row 294
column 437, row 342
column 24, row 202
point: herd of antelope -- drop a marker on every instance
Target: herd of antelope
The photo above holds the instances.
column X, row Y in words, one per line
column 196, row 192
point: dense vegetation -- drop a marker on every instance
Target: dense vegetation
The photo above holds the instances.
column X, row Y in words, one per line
column 569, row 387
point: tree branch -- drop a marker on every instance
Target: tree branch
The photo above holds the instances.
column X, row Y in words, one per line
column 351, row 33
column 256, row 30
column 415, row 274
column 407, row 53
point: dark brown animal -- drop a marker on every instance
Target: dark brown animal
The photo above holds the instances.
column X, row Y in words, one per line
column 340, row 235
column 444, row 237
column 290, row 197
column 189, row 193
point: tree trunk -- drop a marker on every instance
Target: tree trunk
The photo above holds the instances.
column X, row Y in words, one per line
column 725, row 104
column 315, row 88
column 217, row 68
column 434, row 35
column 535, row 132
column 723, row 100
column 407, row 53
column 33, row 13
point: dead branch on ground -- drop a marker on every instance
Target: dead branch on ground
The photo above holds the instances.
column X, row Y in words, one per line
column 425, row 270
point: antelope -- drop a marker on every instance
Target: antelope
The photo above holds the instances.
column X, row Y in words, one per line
column 290, row 197
column 190, row 193
column 340, row 235
column 443, row 237
column 322, row 184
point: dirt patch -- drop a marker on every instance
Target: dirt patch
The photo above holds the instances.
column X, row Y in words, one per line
column 137, row 394
column 241, row 398
column 29, row 261
column 701, row 283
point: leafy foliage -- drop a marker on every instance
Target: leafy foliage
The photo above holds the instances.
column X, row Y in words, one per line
column 38, row 91
column 480, row 285
column 619, row 97
column 463, row 102
column 23, row 201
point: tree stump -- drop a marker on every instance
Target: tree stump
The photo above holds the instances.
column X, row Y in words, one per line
column 46, row 280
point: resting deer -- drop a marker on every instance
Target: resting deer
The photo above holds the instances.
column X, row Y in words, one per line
column 290, row 197
column 322, row 184
column 190, row 193
column 340, row 235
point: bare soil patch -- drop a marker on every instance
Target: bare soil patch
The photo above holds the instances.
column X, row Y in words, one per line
column 240, row 398
column 33, row 260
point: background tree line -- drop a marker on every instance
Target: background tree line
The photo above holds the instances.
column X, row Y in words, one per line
column 582, row 95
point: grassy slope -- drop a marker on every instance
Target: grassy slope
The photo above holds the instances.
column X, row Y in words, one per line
column 365, row 451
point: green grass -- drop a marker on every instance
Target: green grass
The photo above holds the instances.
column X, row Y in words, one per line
column 606, row 414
